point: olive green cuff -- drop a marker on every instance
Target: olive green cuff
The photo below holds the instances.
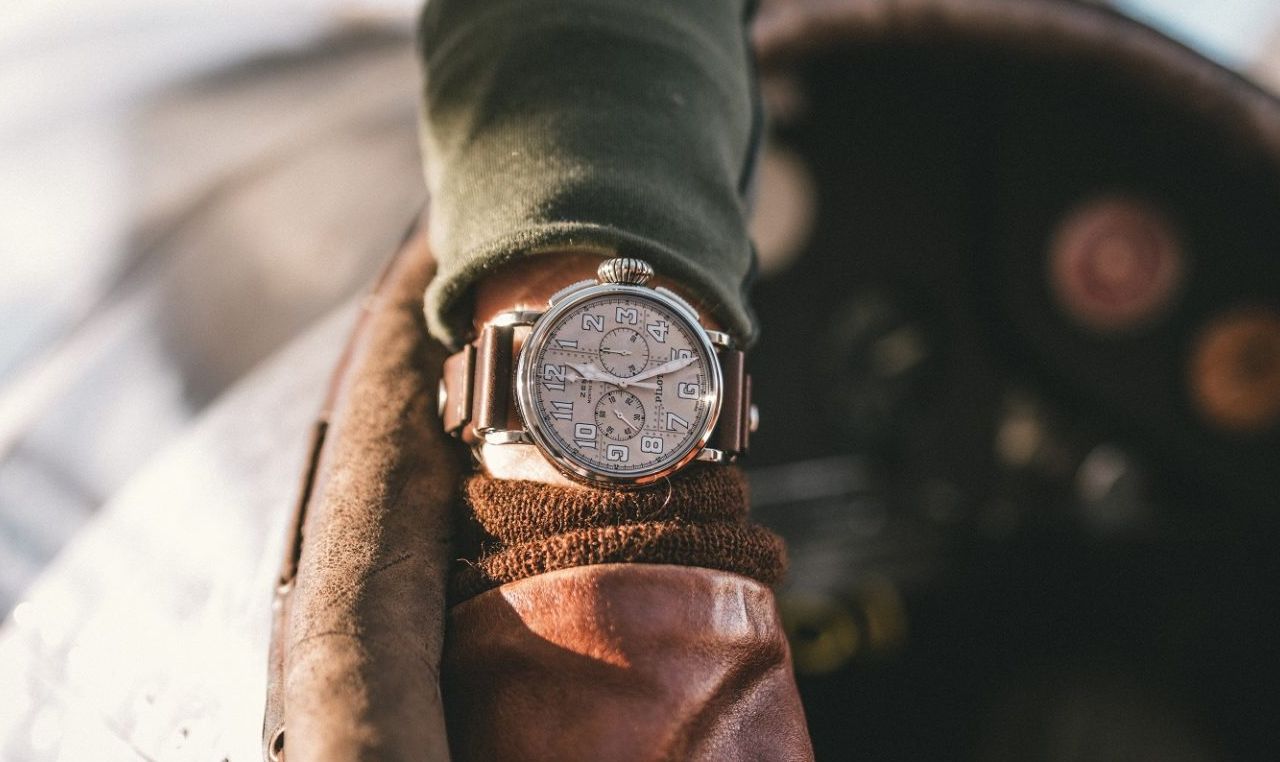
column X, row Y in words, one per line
column 597, row 125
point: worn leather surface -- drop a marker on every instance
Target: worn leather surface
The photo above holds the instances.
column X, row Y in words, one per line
column 360, row 608
column 477, row 387
column 622, row 662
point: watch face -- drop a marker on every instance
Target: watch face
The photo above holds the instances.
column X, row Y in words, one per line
column 618, row 386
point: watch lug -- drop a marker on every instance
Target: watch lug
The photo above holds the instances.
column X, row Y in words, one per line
column 507, row 437
column 569, row 289
column 516, row 317
column 712, row 455
column 720, row 339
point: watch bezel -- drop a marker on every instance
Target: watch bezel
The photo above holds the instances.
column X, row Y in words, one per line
column 526, row 378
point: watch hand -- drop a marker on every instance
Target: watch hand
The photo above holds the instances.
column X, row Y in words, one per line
column 669, row 367
column 614, row 351
column 590, row 373
column 622, row 418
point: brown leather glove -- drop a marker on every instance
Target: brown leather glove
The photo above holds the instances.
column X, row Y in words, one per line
column 622, row 662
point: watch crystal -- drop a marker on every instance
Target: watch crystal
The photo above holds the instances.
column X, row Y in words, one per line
column 621, row 385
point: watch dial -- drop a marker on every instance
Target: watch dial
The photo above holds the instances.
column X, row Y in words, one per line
column 621, row 385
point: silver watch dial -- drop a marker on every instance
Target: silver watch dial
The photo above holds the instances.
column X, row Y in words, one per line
column 619, row 386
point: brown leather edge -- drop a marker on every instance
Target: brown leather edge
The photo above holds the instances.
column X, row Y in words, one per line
column 273, row 715
column 273, row 729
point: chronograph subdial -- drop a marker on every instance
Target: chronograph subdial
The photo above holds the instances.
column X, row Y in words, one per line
column 619, row 415
column 624, row 352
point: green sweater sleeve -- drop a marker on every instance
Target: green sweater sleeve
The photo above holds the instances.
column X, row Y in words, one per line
column 617, row 126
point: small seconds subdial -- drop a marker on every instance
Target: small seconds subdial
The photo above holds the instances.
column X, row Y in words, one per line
column 619, row 415
column 623, row 352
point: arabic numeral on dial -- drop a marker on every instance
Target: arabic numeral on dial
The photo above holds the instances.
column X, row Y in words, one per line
column 651, row 445
column 674, row 420
column 687, row 391
column 681, row 354
column 553, row 377
column 658, row 331
column 617, row 453
column 627, row 315
column 567, row 343
column 584, row 435
column 592, row 322
column 562, row 411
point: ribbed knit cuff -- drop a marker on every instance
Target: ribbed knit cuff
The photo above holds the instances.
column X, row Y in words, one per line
column 518, row 529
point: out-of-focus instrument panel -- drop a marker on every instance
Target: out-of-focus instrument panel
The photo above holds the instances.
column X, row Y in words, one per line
column 1019, row 377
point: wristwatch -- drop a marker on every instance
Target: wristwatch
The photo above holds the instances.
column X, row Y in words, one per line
column 616, row 382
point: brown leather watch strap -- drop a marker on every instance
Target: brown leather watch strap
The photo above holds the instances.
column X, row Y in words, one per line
column 477, row 392
column 733, row 430
column 493, row 382
column 477, row 383
column 455, row 390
